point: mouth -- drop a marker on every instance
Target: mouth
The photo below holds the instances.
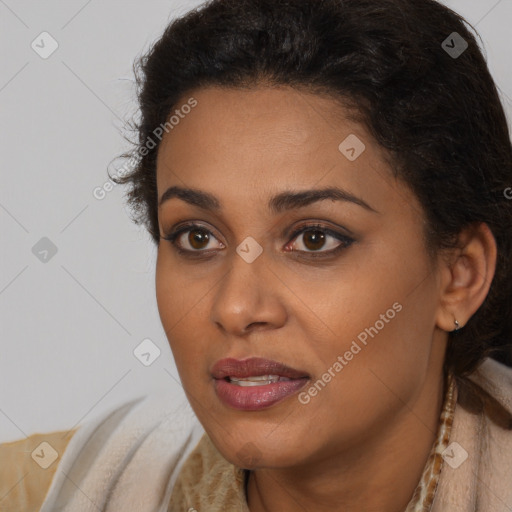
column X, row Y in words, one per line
column 256, row 380
column 264, row 369
column 255, row 383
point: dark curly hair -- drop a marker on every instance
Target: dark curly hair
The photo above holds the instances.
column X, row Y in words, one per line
column 438, row 114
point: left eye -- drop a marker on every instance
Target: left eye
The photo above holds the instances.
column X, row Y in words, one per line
column 314, row 237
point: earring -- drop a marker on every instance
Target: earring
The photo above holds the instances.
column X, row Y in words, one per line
column 456, row 326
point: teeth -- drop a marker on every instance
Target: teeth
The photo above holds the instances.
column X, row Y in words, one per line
column 257, row 377
column 257, row 380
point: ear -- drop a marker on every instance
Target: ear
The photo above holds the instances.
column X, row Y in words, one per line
column 466, row 274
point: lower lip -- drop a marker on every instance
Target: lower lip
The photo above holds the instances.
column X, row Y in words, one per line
column 253, row 398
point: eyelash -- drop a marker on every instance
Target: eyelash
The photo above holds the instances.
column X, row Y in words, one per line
column 345, row 240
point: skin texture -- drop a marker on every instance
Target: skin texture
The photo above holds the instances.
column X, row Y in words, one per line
column 361, row 443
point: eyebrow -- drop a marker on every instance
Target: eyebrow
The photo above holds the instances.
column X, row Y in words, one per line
column 287, row 200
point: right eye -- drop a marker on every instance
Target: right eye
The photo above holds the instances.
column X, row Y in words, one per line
column 195, row 242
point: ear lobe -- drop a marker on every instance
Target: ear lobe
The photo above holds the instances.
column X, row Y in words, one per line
column 466, row 276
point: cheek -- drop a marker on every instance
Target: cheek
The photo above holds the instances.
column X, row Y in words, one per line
column 177, row 294
column 171, row 299
column 166, row 283
column 379, row 318
column 180, row 307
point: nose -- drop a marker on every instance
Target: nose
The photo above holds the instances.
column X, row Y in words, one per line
column 249, row 298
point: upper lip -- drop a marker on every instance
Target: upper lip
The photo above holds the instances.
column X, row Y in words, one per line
column 253, row 367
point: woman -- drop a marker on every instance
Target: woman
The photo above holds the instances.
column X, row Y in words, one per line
column 325, row 181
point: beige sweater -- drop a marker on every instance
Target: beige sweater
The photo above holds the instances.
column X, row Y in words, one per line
column 150, row 456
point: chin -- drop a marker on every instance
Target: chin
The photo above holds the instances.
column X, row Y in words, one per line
column 254, row 450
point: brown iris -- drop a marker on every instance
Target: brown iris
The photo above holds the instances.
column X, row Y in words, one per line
column 198, row 236
column 315, row 240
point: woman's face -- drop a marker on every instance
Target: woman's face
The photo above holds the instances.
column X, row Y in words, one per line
column 351, row 304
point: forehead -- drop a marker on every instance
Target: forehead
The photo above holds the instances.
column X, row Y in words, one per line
column 251, row 142
column 260, row 118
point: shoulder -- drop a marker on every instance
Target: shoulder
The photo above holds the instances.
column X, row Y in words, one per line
column 128, row 456
column 27, row 468
column 477, row 469
column 495, row 372
column 495, row 378
column 492, row 462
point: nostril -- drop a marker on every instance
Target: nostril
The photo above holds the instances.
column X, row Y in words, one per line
column 254, row 323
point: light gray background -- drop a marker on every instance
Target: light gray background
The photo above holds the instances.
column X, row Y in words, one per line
column 69, row 326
